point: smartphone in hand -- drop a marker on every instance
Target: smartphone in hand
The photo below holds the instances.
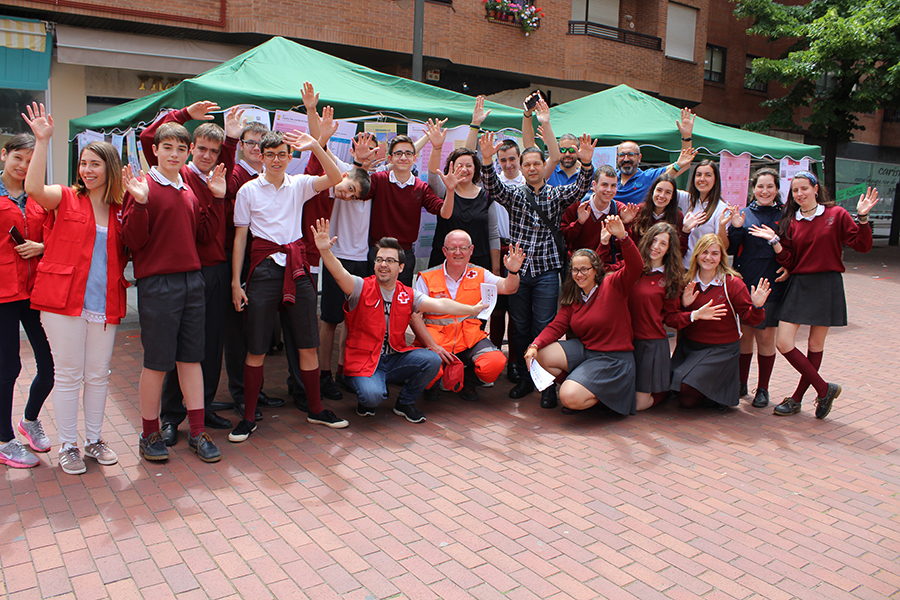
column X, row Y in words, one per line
column 16, row 236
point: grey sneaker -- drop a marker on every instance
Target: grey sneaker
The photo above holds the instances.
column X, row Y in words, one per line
column 101, row 452
column 14, row 454
column 71, row 462
column 34, row 433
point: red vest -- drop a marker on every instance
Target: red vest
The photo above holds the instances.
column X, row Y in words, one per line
column 16, row 273
column 63, row 272
column 455, row 334
column 365, row 326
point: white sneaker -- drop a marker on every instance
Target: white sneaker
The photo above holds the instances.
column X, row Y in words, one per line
column 71, row 462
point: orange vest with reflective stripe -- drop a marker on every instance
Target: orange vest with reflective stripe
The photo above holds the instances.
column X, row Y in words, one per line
column 455, row 334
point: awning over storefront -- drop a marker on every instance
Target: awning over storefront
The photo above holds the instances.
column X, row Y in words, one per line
column 97, row 48
column 25, row 50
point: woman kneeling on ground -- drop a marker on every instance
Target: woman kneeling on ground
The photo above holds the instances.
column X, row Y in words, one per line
column 594, row 306
column 705, row 361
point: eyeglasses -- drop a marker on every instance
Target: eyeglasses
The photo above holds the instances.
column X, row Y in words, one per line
column 406, row 153
column 456, row 249
column 626, row 154
column 571, row 150
column 250, row 143
column 279, row 156
column 390, row 261
column 581, row 270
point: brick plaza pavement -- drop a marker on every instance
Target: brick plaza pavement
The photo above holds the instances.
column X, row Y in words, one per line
column 499, row 499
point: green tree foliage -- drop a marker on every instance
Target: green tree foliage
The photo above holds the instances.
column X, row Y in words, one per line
column 844, row 60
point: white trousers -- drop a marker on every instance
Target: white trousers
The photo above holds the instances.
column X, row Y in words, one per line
column 81, row 354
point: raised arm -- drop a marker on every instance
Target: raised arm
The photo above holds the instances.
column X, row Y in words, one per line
column 198, row 111
column 478, row 117
column 513, row 262
column 41, row 123
column 320, row 235
column 310, row 101
column 546, row 131
column 302, row 142
column 527, row 125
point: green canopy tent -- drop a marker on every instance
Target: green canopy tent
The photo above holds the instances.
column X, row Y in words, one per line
column 622, row 113
column 270, row 76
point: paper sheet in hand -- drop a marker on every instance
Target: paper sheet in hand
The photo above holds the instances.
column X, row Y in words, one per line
column 541, row 378
column 488, row 298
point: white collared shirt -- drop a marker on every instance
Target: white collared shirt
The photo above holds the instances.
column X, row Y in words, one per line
column 586, row 297
column 518, row 180
column 799, row 216
column 248, row 168
column 162, row 180
column 393, row 179
column 204, row 177
column 705, row 286
column 597, row 212
column 274, row 213
column 658, row 269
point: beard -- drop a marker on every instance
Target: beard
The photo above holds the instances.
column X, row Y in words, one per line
column 627, row 169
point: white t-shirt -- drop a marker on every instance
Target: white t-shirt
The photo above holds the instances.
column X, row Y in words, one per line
column 711, row 226
column 274, row 214
column 453, row 285
column 350, row 221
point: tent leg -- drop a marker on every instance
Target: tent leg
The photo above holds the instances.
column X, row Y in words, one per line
column 894, row 237
column 418, row 35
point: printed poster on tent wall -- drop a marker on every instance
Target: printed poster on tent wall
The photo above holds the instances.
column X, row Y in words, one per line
column 787, row 168
column 735, row 174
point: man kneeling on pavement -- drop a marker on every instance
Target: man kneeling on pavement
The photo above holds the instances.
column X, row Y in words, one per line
column 464, row 340
column 378, row 311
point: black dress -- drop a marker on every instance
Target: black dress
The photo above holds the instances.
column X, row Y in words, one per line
column 471, row 215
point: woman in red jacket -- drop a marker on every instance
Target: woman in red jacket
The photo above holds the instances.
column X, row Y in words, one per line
column 80, row 288
column 705, row 361
column 20, row 251
column 594, row 307
column 655, row 301
column 809, row 244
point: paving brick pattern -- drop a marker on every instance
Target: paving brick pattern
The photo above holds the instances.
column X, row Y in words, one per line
column 499, row 499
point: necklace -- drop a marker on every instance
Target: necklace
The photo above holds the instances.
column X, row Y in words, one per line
column 808, row 212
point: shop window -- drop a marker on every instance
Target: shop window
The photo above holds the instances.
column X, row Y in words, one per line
column 714, row 67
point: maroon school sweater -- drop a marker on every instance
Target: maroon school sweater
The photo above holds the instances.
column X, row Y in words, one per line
column 164, row 233
column 211, row 252
column 815, row 246
column 603, row 323
column 724, row 331
column 650, row 308
column 587, row 234
column 397, row 212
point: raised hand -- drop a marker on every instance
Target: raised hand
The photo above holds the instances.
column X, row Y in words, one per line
column 300, row 141
column 217, row 183
column 605, row 235
column 629, row 212
column 451, row 179
column 320, row 235
column 136, row 186
column 738, row 218
column 708, row 312
column 479, row 114
column 310, row 97
column 686, row 123
column 727, row 214
column 584, row 211
column 759, row 293
column 615, row 226
column 362, row 147
column 866, row 202
column 685, row 157
column 692, row 220
column 199, row 111
column 689, row 294
column 543, row 112
column 234, row 122
column 585, row 148
column 327, row 125
column 436, row 134
column 39, row 120
column 762, row 231
column 488, row 148
column 514, row 259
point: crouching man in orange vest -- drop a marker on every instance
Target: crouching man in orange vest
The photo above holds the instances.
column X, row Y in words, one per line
column 378, row 310
column 462, row 338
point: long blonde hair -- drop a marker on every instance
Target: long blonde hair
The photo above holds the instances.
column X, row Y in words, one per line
column 702, row 245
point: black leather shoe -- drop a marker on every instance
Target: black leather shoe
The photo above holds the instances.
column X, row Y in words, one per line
column 513, row 373
column 239, row 409
column 744, row 390
column 761, row 399
column 269, row 401
column 169, row 433
column 217, row 406
column 548, row 397
column 214, row 421
column 301, row 403
column 522, row 389
column 713, row 406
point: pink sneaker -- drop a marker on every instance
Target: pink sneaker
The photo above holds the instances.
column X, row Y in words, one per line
column 34, row 433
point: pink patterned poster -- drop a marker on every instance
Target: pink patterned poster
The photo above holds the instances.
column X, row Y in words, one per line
column 735, row 174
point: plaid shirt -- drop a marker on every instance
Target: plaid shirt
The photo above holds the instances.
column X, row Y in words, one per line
column 526, row 227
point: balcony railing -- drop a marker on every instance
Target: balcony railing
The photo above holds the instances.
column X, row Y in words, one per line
column 612, row 33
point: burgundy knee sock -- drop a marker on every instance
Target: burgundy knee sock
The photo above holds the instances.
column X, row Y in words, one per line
column 807, row 370
column 658, row 397
column 689, row 397
column 310, row 381
column 765, row 365
column 195, row 421
column 253, row 380
column 745, row 361
column 815, row 359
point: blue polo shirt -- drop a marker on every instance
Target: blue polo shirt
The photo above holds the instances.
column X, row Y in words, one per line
column 559, row 177
column 635, row 191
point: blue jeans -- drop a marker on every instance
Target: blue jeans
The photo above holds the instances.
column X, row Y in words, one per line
column 416, row 367
column 532, row 308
